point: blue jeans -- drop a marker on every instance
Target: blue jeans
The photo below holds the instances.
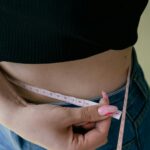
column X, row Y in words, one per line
column 136, row 135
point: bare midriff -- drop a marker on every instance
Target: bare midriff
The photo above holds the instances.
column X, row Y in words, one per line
column 82, row 78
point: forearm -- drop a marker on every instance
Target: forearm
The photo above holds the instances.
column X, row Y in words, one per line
column 10, row 100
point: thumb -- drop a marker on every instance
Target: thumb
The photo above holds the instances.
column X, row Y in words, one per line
column 92, row 113
column 103, row 101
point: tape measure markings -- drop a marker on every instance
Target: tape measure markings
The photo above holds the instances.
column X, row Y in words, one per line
column 65, row 98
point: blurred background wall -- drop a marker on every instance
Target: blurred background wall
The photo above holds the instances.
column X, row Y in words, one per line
column 143, row 44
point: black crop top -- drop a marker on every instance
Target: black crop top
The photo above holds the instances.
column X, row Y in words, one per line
column 48, row 31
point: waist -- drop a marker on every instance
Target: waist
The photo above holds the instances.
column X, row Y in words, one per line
column 82, row 78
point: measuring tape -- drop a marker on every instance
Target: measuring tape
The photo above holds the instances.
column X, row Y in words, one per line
column 65, row 98
column 80, row 102
column 122, row 124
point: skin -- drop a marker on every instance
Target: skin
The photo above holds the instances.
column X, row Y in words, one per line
column 44, row 129
column 82, row 78
column 52, row 127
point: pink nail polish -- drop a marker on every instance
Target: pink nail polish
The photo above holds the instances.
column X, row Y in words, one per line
column 109, row 114
column 107, row 109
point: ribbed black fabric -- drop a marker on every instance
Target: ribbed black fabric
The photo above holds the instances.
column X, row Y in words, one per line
column 36, row 31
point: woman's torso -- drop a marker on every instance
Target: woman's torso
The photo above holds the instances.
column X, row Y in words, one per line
column 82, row 78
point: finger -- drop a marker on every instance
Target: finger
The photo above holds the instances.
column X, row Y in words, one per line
column 89, row 125
column 92, row 113
column 98, row 136
column 83, row 129
column 104, row 100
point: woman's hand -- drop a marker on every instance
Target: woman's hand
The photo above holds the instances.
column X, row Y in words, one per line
column 52, row 127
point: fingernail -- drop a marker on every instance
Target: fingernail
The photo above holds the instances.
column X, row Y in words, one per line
column 107, row 109
column 109, row 114
column 104, row 94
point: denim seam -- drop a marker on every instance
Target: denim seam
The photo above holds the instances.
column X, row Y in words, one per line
column 137, row 138
column 136, row 123
column 126, row 145
column 139, row 119
column 140, row 80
